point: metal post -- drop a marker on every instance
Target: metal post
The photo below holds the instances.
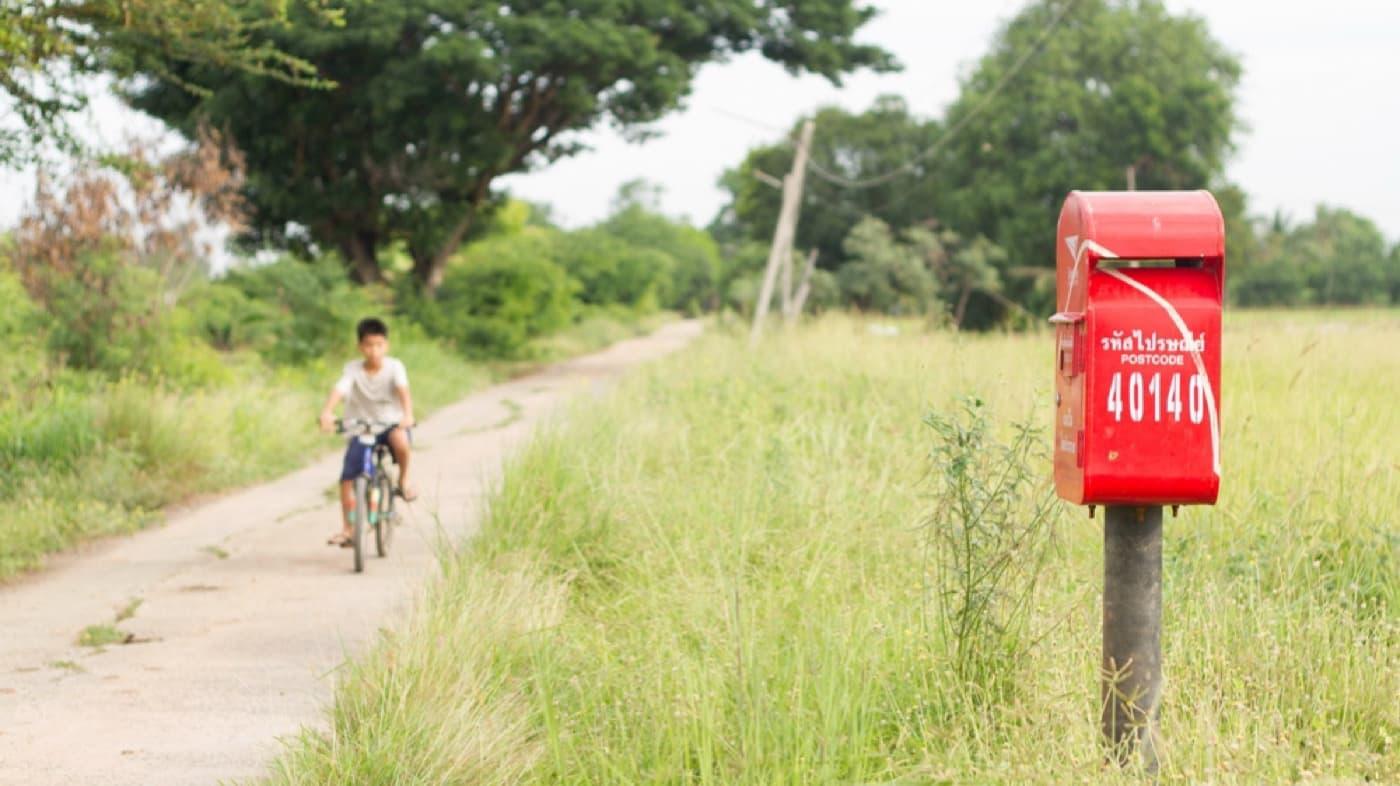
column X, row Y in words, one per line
column 1132, row 631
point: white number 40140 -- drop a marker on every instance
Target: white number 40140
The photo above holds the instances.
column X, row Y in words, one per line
column 1138, row 393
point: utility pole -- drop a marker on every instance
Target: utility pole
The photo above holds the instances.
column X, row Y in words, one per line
column 785, row 284
column 784, row 232
column 799, row 298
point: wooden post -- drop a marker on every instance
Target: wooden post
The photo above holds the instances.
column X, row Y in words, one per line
column 799, row 299
column 786, row 228
column 785, row 284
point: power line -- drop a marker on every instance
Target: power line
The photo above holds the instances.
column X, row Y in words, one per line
column 751, row 121
column 909, row 166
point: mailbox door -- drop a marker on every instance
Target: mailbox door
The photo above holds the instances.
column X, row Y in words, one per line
column 1152, row 386
column 1069, row 408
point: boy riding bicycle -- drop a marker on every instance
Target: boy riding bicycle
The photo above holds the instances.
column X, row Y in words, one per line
column 374, row 389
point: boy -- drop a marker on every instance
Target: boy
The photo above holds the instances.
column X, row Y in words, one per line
column 374, row 389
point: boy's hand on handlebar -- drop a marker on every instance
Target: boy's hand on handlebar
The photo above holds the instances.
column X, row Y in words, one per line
column 327, row 421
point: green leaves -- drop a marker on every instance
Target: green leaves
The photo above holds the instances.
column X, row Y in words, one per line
column 1338, row 258
column 43, row 46
column 1115, row 85
column 437, row 98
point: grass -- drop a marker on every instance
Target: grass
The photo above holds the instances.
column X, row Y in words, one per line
column 102, row 635
column 87, row 456
column 728, row 572
column 129, row 610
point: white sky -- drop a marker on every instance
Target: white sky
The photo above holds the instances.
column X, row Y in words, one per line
column 1318, row 96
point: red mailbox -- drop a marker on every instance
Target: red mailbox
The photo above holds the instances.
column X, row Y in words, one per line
column 1141, row 277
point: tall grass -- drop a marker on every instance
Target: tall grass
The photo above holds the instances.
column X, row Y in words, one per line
column 733, row 579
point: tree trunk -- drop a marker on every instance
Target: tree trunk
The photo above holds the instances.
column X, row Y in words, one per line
column 361, row 250
column 430, row 266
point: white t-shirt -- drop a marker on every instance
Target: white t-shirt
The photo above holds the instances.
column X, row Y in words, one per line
column 372, row 396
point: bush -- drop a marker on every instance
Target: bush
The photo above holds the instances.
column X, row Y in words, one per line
column 105, row 315
column 490, row 307
column 694, row 261
column 1269, row 283
column 223, row 315
column 883, row 274
column 291, row 311
column 611, row 270
column 824, row 292
column 17, row 313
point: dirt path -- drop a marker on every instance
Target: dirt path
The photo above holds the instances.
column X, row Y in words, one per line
column 244, row 613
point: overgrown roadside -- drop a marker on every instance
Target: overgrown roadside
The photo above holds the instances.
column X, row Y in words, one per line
column 87, row 455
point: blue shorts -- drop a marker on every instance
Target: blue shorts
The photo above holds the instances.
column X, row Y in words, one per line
column 358, row 456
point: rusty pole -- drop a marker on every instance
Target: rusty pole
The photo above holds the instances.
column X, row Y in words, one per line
column 1132, row 632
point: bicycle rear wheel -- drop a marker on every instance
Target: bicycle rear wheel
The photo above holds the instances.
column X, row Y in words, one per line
column 361, row 512
column 384, row 520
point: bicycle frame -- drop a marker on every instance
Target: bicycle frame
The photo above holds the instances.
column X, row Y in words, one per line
column 375, row 459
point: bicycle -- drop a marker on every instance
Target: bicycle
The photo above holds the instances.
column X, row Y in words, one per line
column 374, row 489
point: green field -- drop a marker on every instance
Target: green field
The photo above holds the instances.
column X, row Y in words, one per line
column 750, row 567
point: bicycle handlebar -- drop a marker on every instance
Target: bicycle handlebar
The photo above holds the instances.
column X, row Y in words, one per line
column 345, row 426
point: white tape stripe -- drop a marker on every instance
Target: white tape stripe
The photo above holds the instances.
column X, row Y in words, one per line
column 1195, row 356
column 1077, row 249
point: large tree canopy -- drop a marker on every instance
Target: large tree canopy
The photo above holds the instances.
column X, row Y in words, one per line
column 437, row 98
column 44, row 45
column 1115, row 84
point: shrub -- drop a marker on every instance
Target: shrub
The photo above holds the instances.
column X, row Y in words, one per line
column 17, row 313
column 611, row 270
column 292, row 311
column 1269, row 283
column 224, row 315
column 104, row 314
column 694, row 261
column 492, row 306
column 884, row 274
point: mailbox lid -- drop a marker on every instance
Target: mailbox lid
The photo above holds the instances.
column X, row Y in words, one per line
column 1152, row 391
column 1096, row 225
column 1152, row 224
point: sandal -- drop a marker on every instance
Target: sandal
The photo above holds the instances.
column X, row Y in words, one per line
column 399, row 491
column 342, row 540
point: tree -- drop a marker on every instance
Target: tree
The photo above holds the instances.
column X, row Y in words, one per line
column 848, row 147
column 438, row 98
column 43, row 46
column 884, row 274
column 694, row 262
column 1343, row 257
column 1115, row 84
column 1338, row 258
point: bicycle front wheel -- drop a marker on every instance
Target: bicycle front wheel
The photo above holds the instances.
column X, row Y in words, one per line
column 384, row 520
column 361, row 512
